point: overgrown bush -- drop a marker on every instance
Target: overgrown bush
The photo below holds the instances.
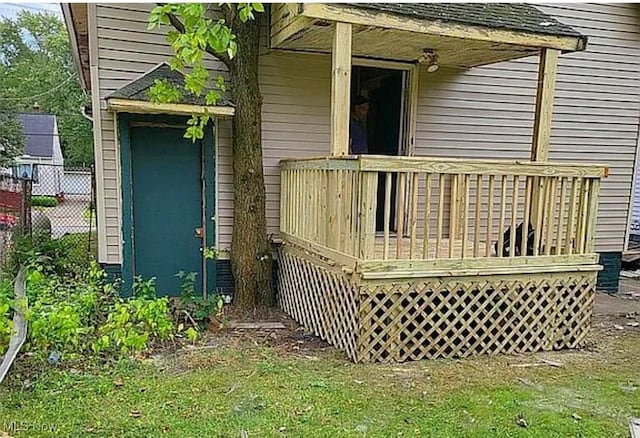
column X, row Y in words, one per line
column 6, row 324
column 72, row 317
column 67, row 256
column 192, row 306
column 44, row 201
column 74, row 314
column 134, row 323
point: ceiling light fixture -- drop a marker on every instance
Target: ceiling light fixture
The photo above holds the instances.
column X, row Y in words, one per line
column 429, row 58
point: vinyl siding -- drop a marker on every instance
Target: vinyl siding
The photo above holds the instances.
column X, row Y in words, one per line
column 295, row 123
column 483, row 112
column 126, row 50
column 487, row 112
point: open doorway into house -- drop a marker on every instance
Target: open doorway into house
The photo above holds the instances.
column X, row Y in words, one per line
column 384, row 125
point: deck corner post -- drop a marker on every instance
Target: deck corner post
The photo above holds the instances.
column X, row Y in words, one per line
column 340, row 88
column 547, row 72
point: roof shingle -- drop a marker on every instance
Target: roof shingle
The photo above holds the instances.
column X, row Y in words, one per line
column 39, row 132
column 139, row 88
column 511, row 16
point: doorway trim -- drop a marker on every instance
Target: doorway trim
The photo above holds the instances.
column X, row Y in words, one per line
column 409, row 109
column 411, row 90
column 125, row 122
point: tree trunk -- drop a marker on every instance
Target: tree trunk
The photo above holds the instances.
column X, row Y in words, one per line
column 250, row 250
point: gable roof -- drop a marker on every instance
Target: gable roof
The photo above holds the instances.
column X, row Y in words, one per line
column 39, row 133
column 138, row 89
column 509, row 16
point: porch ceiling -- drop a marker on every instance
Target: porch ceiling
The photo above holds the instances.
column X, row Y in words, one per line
column 463, row 35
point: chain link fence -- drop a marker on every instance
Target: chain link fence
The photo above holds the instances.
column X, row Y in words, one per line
column 52, row 202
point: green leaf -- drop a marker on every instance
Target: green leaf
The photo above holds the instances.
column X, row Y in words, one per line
column 192, row 334
column 162, row 91
column 257, row 7
column 243, row 14
column 212, row 97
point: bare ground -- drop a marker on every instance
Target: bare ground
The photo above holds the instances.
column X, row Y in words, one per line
column 615, row 316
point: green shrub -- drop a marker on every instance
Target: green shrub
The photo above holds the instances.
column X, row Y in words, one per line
column 6, row 323
column 68, row 256
column 71, row 318
column 133, row 324
column 44, row 201
column 194, row 305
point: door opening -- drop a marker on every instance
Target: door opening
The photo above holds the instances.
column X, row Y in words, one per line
column 383, row 88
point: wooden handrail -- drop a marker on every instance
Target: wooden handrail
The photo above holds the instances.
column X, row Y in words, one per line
column 439, row 208
column 451, row 166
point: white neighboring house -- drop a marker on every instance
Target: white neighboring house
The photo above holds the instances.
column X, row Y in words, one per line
column 42, row 160
column 77, row 181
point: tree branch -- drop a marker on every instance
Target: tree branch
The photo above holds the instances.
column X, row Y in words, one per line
column 179, row 26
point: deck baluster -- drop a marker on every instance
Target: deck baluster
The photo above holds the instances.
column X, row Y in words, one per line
column 582, row 216
column 465, row 215
column 560, row 224
column 402, row 177
column 503, row 203
column 427, row 217
column 514, row 215
column 413, row 231
column 440, row 214
column 551, row 212
column 524, row 240
column 477, row 218
column 490, row 189
column 538, row 203
column 569, row 243
column 594, row 194
column 387, row 214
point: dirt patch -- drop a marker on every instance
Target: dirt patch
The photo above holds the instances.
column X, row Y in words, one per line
column 290, row 337
column 616, row 317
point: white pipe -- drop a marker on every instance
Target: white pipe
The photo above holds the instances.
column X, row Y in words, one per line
column 86, row 116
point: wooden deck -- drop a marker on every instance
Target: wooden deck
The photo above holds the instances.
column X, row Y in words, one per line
column 440, row 290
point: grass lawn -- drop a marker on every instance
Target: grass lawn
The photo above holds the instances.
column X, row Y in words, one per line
column 244, row 388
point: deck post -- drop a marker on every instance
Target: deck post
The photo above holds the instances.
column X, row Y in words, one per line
column 547, row 72
column 340, row 89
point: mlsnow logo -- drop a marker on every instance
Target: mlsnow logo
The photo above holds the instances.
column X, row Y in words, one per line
column 27, row 426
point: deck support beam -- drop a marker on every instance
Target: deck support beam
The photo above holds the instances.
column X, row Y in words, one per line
column 547, row 72
column 340, row 89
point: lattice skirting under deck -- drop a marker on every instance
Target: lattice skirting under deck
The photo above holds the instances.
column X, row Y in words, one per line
column 435, row 317
column 319, row 297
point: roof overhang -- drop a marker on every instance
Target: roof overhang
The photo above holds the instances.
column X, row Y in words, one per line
column 75, row 17
column 133, row 97
column 144, row 107
column 379, row 34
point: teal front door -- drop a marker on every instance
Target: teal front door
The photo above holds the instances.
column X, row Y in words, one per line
column 168, row 209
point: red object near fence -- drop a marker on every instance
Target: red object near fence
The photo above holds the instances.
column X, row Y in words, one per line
column 7, row 221
column 10, row 200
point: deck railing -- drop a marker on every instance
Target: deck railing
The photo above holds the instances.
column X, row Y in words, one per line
column 418, row 208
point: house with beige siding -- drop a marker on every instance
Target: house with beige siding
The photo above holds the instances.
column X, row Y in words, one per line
column 502, row 143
